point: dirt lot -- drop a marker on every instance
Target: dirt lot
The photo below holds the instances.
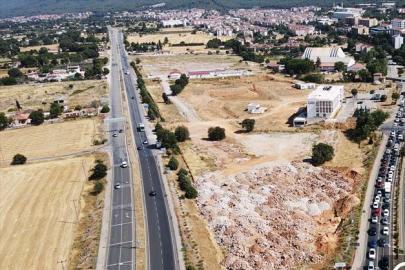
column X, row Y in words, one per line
column 38, row 216
column 48, row 139
column 50, row 47
column 33, row 95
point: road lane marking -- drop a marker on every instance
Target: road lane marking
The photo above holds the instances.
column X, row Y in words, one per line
column 121, row 224
column 121, row 243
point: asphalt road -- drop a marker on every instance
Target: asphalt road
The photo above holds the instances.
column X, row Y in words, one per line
column 160, row 243
column 121, row 238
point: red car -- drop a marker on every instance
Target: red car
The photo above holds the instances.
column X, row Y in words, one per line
column 384, row 163
column 379, row 185
column 383, row 173
column 377, row 212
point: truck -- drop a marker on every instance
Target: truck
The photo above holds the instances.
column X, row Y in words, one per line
column 387, row 187
column 141, row 127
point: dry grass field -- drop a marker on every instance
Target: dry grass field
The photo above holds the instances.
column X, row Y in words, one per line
column 32, row 96
column 48, row 140
column 37, row 224
column 50, row 47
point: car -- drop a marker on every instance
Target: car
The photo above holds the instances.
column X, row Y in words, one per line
column 145, row 142
column 390, row 175
column 379, row 185
column 373, row 243
column 379, row 193
column 379, row 179
column 372, row 231
column 400, row 137
column 382, row 242
column 383, row 173
column 386, row 231
column 120, row 131
column 375, row 205
column 371, row 253
column 384, row 163
column 384, row 221
column 377, row 198
column 394, row 159
column 124, row 164
column 389, row 179
column 132, row 97
column 384, row 263
column 386, row 206
column 152, row 193
column 386, row 213
column 387, row 200
column 370, row 265
column 117, row 186
column 392, row 168
column 376, row 213
column 395, row 124
column 374, row 220
column 115, row 135
column 139, row 148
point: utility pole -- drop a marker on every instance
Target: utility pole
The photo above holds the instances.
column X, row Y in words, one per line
column 77, row 214
column 61, row 262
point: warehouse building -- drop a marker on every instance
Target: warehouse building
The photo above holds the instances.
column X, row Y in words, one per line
column 325, row 101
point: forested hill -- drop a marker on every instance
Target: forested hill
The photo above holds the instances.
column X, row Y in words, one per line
column 10, row 8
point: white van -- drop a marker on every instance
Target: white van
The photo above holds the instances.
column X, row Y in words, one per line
column 124, row 164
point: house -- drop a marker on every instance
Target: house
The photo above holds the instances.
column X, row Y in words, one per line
column 328, row 57
column 360, row 30
column 21, row 118
column 73, row 114
column 174, row 75
column 88, row 112
column 325, row 101
column 356, row 67
column 360, row 47
column 368, row 22
column 400, row 23
column 303, row 86
column 255, row 108
column 378, row 77
column 61, row 99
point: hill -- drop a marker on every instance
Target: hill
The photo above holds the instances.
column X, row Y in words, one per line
column 29, row 7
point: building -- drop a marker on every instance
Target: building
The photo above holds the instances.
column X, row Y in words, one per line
column 171, row 23
column 73, row 114
column 368, row 22
column 394, row 31
column 360, row 47
column 21, row 118
column 400, row 23
column 302, row 30
column 61, row 99
column 356, row 67
column 360, row 30
column 352, row 20
column 379, row 30
column 325, row 101
column 174, row 75
column 343, row 13
column 303, row 86
column 255, row 108
column 328, row 57
column 397, row 41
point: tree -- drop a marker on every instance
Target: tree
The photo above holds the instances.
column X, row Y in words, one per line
column 70, row 86
column 97, row 188
column 17, row 104
column 318, row 62
column 395, row 96
column 159, row 129
column 191, row 193
column 14, row 73
column 340, row 66
column 106, row 71
column 9, row 81
column 4, row 121
column 78, row 76
column 37, row 117
column 354, row 92
column 173, row 164
column 321, row 153
column 176, row 89
column 55, row 109
column 138, row 61
column 365, row 75
column 383, row 98
column 105, row 109
column 166, row 98
column 182, row 133
column 99, row 171
column 168, row 139
column 19, row 160
column 248, row 124
column 216, row 133
column 400, row 71
column 165, row 41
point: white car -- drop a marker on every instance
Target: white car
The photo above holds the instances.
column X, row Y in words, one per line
column 386, row 212
column 370, row 265
column 379, row 192
column 117, row 186
column 386, row 231
column 390, row 175
column 115, row 135
column 377, row 198
column 389, row 179
column 124, row 164
column 395, row 124
column 379, row 179
column 371, row 253
column 374, row 220
column 375, row 205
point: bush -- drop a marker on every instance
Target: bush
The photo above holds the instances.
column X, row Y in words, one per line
column 185, row 172
column 19, row 160
column 105, row 109
column 37, row 117
column 99, row 171
column 184, row 182
column 248, row 124
column 191, row 193
column 216, row 133
column 321, row 153
column 97, row 188
column 182, row 133
column 383, row 98
column 173, row 164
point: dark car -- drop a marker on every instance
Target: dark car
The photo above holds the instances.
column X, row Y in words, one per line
column 373, row 243
column 152, row 193
column 382, row 242
column 379, row 185
column 372, row 231
column 384, row 263
column 386, row 206
column 139, row 148
column 384, row 163
column 384, row 221
column 383, row 173
column 132, row 97
column 121, row 131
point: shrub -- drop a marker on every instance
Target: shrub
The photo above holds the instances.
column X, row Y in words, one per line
column 105, row 109
column 248, row 124
column 99, row 171
column 321, row 153
column 19, row 160
column 185, row 172
column 191, row 193
column 37, row 117
column 216, row 133
column 173, row 164
column 383, row 98
column 97, row 188
column 182, row 133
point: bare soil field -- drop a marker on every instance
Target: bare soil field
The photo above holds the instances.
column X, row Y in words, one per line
column 48, row 140
column 32, row 96
column 38, row 215
column 50, row 47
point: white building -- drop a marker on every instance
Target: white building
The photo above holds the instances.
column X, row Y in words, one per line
column 171, row 23
column 255, row 108
column 342, row 14
column 397, row 41
column 328, row 57
column 325, row 101
column 303, row 86
column 400, row 23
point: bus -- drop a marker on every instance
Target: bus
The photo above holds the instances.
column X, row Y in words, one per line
column 141, row 127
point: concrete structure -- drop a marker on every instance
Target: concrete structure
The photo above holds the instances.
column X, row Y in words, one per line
column 301, row 118
column 352, row 20
column 61, row 99
column 368, row 22
column 325, row 101
column 366, row 105
column 397, row 41
column 400, row 23
column 360, row 30
column 356, row 67
column 217, row 72
column 21, row 118
column 171, row 23
column 73, row 114
column 328, row 57
column 360, row 47
column 343, row 13
column 379, row 30
column 174, row 75
column 303, row 86
column 255, row 108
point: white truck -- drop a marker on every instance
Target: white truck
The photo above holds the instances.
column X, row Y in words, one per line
column 141, row 127
column 387, row 187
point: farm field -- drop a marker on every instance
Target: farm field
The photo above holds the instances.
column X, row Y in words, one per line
column 32, row 96
column 29, row 48
column 48, row 140
column 38, row 216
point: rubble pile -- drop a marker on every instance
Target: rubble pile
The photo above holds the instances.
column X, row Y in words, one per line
column 272, row 218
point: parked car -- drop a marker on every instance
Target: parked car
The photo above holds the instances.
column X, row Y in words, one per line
column 386, row 206
column 377, row 198
column 384, row 221
column 379, row 185
column 375, row 205
column 384, row 263
column 374, row 220
column 373, row 243
column 382, row 242
column 379, row 179
column 371, row 253
column 370, row 265
column 386, row 213
column 376, row 212
column 386, row 231
column 372, row 231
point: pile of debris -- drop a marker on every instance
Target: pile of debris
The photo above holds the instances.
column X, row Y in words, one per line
column 273, row 218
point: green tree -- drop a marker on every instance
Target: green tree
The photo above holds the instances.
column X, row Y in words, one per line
column 383, row 98
column 138, row 61
column 4, row 121
column 105, row 109
column 354, row 92
column 159, row 129
column 78, row 76
column 321, row 153
column 97, row 188
column 37, row 117
column 395, row 96
column 191, row 193
column 248, row 124
column 168, row 139
column 19, row 160
column 216, row 133
column 99, row 171
column 55, row 109
column 318, row 62
column 15, row 73
column 9, row 81
column 400, row 71
column 176, row 89
column 173, row 164
column 182, row 133
column 165, row 41
column 106, row 71
column 340, row 66
column 365, row 75
column 70, row 86
column 166, row 98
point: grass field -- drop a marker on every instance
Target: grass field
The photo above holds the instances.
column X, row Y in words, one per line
column 175, row 38
column 32, row 96
column 48, row 139
column 37, row 224
column 50, row 47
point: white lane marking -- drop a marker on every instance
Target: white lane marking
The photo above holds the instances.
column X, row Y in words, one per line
column 121, row 243
column 121, row 224
column 121, row 263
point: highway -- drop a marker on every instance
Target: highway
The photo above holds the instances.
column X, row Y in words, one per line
column 160, row 248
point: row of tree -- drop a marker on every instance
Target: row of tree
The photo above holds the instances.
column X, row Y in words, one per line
column 367, row 123
column 185, row 184
column 179, row 85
